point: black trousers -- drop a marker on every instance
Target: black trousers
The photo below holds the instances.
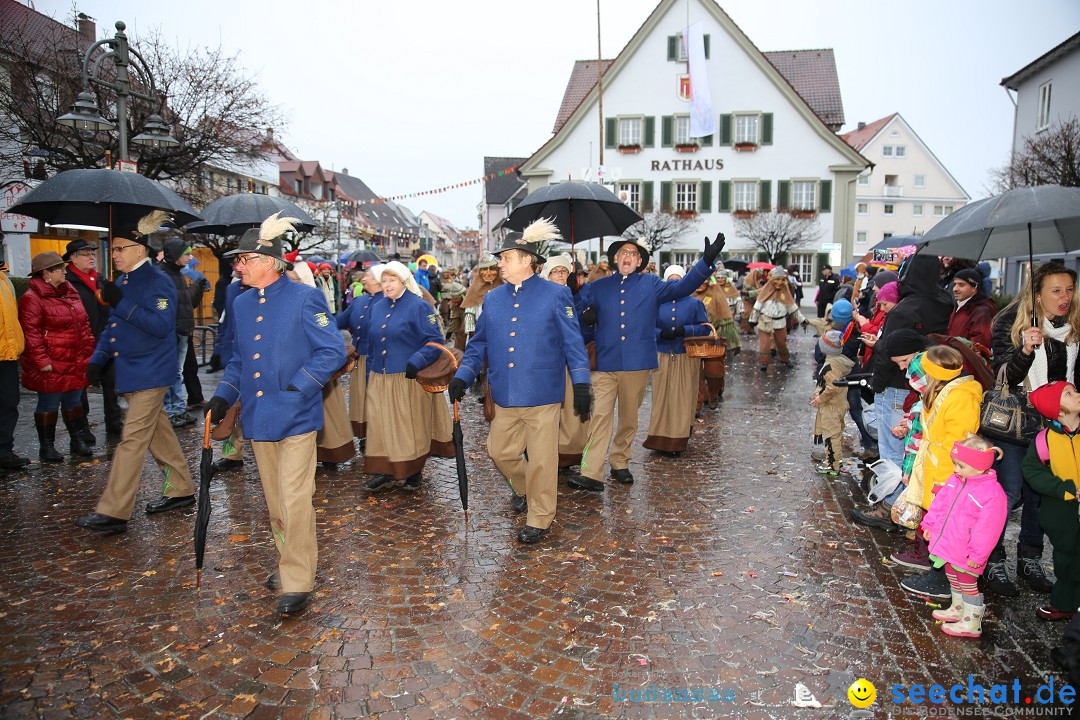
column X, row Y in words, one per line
column 9, row 403
column 114, row 416
column 191, row 375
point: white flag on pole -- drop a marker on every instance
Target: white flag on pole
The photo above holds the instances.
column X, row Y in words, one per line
column 702, row 120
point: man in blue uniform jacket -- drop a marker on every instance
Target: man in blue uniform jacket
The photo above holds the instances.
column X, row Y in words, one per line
column 140, row 341
column 624, row 308
column 529, row 337
column 287, row 346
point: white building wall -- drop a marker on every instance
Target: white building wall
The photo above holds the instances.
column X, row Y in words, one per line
column 1064, row 78
column 648, row 85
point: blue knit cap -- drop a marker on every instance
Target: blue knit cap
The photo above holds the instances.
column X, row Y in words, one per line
column 841, row 311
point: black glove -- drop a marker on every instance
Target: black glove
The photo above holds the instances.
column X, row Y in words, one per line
column 93, row 374
column 217, row 406
column 588, row 316
column 292, row 388
column 680, row 331
column 410, row 371
column 456, row 389
column 582, row 399
column 667, row 334
column 111, row 293
column 712, row 250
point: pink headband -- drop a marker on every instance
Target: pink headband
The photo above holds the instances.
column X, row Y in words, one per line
column 978, row 459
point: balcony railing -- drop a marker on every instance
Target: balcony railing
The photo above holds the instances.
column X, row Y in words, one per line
column 894, row 191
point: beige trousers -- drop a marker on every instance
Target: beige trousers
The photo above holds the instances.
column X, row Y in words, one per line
column 287, row 471
column 233, row 447
column 534, row 429
column 146, row 427
column 628, row 389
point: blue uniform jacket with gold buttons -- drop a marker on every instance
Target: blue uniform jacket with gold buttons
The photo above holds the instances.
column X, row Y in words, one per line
column 284, row 336
column 398, row 332
column 529, row 337
column 626, row 310
column 357, row 319
column 687, row 313
column 140, row 337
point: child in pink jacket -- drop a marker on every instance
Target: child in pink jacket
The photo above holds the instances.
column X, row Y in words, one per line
column 962, row 527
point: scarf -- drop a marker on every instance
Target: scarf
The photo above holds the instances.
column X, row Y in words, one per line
column 769, row 292
column 729, row 290
column 1036, row 376
column 90, row 278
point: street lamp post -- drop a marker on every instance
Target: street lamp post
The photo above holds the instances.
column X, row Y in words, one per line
column 85, row 114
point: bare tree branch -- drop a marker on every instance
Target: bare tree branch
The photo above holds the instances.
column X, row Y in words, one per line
column 776, row 233
column 1051, row 157
column 660, row 228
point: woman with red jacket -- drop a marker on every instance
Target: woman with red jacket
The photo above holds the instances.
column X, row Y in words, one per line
column 58, row 345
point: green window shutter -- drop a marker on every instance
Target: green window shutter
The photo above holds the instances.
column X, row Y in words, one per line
column 705, row 196
column 766, row 128
column 706, row 141
column 765, row 195
column 667, row 130
column 725, row 129
column 825, row 196
column 725, row 196
column 610, row 132
column 665, row 195
column 650, row 131
column 706, row 46
column 783, row 195
column 672, row 47
column 646, row 196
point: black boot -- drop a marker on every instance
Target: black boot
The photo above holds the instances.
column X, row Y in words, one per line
column 46, row 432
column 1029, row 569
column 78, row 429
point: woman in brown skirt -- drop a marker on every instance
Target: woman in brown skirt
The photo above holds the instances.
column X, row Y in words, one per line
column 573, row 431
column 357, row 320
column 405, row 423
column 718, row 310
column 675, row 381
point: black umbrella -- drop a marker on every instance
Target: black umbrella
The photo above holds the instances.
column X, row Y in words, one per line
column 1040, row 220
column 234, row 214
column 584, row 210
column 459, row 454
column 202, row 513
column 739, row 266
column 105, row 198
column 364, row 257
column 899, row 241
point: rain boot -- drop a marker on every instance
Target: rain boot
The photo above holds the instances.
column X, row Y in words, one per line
column 46, row 432
column 953, row 612
column 970, row 623
column 78, row 429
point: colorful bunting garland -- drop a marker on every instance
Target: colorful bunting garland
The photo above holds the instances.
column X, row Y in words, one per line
column 455, row 186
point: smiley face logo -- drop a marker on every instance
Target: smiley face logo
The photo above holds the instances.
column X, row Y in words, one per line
column 862, row 693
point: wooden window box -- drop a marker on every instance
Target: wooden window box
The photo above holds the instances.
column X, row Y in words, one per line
column 687, row 148
column 685, row 213
column 629, row 149
column 746, row 147
column 744, row 213
column 807, row 214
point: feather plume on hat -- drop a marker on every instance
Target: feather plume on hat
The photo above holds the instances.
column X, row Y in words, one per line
column 152, row 221
column 275, row 226
column 539, row 231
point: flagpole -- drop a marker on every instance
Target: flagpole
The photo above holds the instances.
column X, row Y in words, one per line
column 600, row 80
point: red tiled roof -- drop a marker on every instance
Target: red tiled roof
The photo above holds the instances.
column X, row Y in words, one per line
column 582, row 80
column 37, row 33
column 812, row 73
column 858, row 138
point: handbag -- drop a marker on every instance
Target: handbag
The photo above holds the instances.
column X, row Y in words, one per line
column 1006, row 414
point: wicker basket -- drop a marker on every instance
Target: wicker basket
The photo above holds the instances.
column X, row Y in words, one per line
column 709, row 346
column 436, row 377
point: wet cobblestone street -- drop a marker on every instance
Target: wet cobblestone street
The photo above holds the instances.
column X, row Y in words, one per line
column 733, row 567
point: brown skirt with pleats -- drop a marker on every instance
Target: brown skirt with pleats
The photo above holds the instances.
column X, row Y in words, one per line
column 357, row 397
column 335, row 441
column 405, row 424
column 573, row 433
column 674, row 395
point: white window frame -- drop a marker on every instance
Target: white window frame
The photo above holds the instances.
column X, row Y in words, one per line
column 861, row 237
column 917, row 210
column 804, row 195
column 686, row 195
column 686, row 259
column 1045, row 93
column 943, row 210
column 748, row 128
column 682, row 131
column 920, row 182
column 745, row 194
column 633, row 195
column 887, row 151
column 680, row 48
column 889, row 209
column 900, row 151
column 628, row 127
column 864, row 180
column 805, row 261
column 862, row 208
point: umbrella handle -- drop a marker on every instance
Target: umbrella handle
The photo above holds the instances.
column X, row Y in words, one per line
column 457, row 416
column 206, row 432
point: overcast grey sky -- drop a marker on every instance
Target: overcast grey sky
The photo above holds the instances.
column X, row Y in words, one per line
column 410, row 95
